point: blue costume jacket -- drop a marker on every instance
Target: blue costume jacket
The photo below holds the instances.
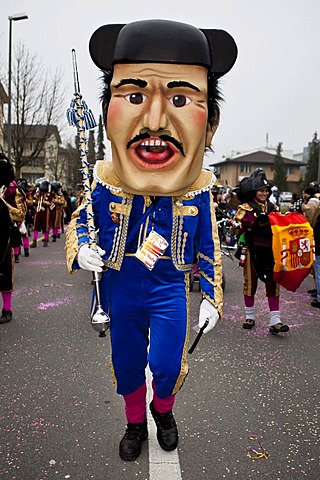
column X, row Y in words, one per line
column 187, row 222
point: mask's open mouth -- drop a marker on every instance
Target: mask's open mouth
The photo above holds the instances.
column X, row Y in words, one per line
column 154, row 151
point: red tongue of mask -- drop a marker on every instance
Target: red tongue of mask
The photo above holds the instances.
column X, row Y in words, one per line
column 154, row 154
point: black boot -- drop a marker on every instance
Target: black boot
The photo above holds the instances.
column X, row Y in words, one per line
column 54, row 238
column 16, row 259
column 167, row 432
column 33, row 244
column 130, row 445
column 45, row 243
column 6, row 316
column 26, row 252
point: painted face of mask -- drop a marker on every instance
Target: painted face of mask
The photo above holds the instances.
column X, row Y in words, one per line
column 157, row 123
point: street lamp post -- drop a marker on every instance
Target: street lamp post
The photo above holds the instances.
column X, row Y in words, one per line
column 12, row 18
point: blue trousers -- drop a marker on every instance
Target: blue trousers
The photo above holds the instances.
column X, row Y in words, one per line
column 149, row 313
column 316, row 269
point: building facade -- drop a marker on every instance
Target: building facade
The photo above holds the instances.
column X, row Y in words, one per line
column 231, row 170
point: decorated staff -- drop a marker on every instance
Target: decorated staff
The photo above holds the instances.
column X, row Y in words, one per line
column 81, row 117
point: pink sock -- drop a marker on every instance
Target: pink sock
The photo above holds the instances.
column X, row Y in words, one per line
column 6, row 300
column 162, row 405
column 16, row 250
column 25, row 242
column 135, row 405
column 46, row 236
column 274, row 303
column 248, row 301
column 35, row 234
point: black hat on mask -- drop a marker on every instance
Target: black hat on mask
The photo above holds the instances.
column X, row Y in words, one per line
column 163, row 41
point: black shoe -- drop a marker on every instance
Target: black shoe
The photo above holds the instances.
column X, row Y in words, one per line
column 130, row 445
column 33, row 244
column 248, row 324
column 16, row 259
column 6, row 316
column 313, row 290
column 54, row 238
column 314, row 294
column 278, row 328
column 167, row 432
column 26, row 252
column 45, row 243
column 315, row 303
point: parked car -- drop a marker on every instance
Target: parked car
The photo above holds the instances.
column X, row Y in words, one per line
column 285, row 196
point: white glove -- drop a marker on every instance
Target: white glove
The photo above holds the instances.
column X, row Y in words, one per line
column 89, row 259
column 207, row 312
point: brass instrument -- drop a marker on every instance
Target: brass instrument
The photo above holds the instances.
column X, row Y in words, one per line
column 2, row 191
column 39, row 205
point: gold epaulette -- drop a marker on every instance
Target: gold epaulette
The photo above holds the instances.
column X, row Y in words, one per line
column 242, row 209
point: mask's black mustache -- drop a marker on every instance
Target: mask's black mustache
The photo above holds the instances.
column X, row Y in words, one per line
column 137, row 138
column 165, row 138
column 178, row 145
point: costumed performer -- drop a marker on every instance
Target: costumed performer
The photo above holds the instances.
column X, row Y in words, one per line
column 12, row 211
column 255, row 235
column 153, row 207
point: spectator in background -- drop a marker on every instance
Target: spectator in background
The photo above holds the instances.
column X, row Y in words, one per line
column 316, row 266
column 275, row 196
column 296, row 203
column 311, row 205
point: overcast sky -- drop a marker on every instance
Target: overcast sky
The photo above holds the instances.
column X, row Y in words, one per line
column 274, row 87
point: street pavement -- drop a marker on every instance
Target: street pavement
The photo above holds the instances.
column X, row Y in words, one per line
column 61, row 418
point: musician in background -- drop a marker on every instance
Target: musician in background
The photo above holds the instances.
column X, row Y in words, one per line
column 28, row 221
column 56, row 209
column 12, row 210
column 42, row 202
column 254, row 192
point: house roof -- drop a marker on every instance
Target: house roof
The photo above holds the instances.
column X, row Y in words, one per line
column 36, row 132
column 262, row 157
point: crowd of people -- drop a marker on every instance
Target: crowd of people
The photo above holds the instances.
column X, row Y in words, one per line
column 48, row 208
column 26, row 210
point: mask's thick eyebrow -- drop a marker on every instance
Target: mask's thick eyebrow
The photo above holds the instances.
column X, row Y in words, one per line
column 181, row 83
column 132, row 81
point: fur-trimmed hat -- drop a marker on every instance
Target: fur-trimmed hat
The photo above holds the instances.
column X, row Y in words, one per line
column 163, row 41
column 249, row 185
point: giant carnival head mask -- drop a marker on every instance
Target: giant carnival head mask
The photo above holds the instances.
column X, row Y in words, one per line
column 157, row 98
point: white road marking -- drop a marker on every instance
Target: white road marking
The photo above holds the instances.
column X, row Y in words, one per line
column 162, row 465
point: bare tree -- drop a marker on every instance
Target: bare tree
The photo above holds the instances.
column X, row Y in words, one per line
column 74, row 176
column 36, row 106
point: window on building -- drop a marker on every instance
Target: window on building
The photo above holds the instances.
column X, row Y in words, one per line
column 245, row 168
column 38, row 162
column 290, row 170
